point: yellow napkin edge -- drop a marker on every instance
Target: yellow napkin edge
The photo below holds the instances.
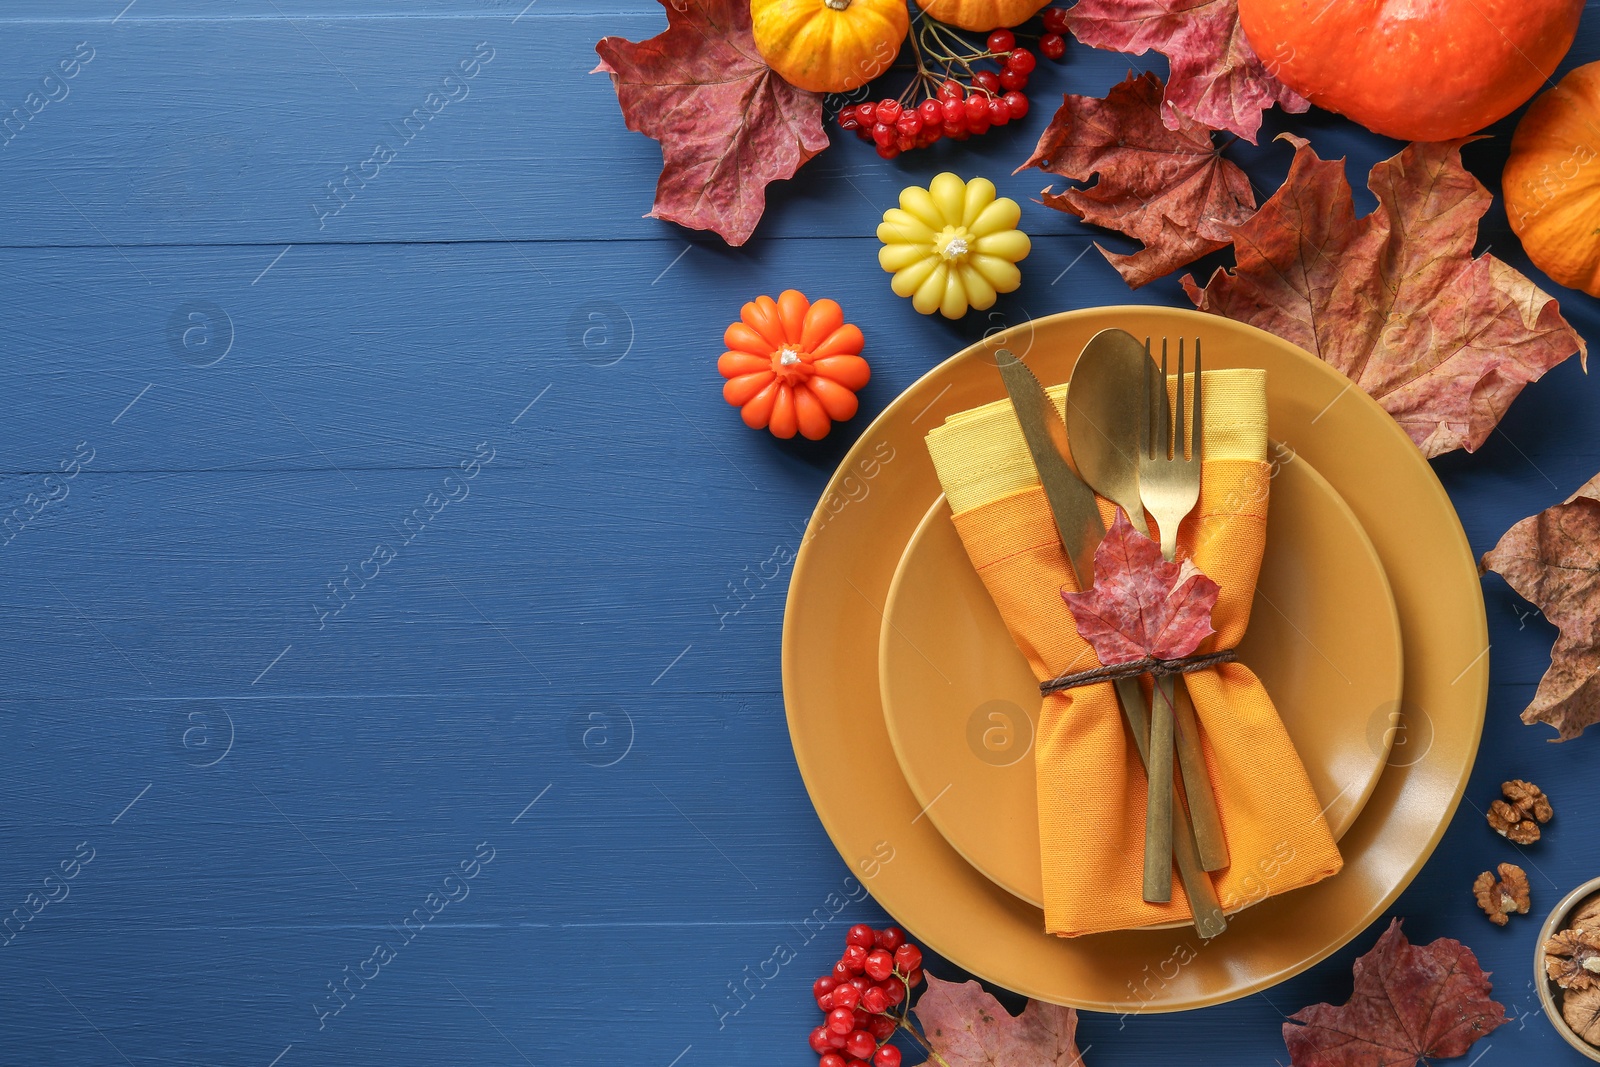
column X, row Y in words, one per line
column 980, row 454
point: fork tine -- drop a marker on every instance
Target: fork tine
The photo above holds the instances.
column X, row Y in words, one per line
column 1152, row 414
column 1180, row 432
column 1163, row 406
column 1196, row 427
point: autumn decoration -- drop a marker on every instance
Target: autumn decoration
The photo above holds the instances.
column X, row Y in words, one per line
column 749, row 126
column 953, row 245
column 1410, row 1003
column 1551, row 183
column 1427, row 70
column 1551, row 559
column 1168, row 187
column 793, row 366
column 982, row 15
column 966, row 1027
column 1141, row 607
column 1447, row 352
column 1217, row 79
column 829, row 46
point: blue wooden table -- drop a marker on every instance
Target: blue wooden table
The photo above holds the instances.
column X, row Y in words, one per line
column 377, row 587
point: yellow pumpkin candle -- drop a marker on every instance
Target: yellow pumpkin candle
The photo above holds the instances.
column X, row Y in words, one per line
column 1552, row 180
column 953, row 245
column 829, row 46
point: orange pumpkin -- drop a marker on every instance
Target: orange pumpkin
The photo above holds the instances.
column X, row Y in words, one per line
column 1418, row 70
column 829, row 46
column 982, row 15
column 1552, row 180
column 793, row 365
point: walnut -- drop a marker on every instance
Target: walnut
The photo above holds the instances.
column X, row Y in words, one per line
column 1518, row 816
column 1572, row 959
column 1528, row 799
column 1499, row 900
column 1581, row 1009
column 1586, row 916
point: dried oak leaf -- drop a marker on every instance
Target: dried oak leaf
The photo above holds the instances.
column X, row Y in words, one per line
column 1141, row 605
column 1553, row 560
column 1509, row 896
column 1217, row 78
column 1572, row 959
column 1395, row 300
column 728, row 125
column 1169, row 188
column 1581, row 1010
column 1409, row 1003
column 969, row 1028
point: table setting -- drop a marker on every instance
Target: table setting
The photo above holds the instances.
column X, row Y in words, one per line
column 862, row 533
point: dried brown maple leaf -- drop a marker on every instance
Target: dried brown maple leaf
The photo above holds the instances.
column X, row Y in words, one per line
column 1395, row 300
column 1409, row 1003
column 1169, row 188
column 1140, row 605
column 1217, row 78
column 728, row 125
column 1553, row 560
column 969, row 1028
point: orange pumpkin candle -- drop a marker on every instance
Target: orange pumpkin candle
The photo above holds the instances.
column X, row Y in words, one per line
column 793, row 366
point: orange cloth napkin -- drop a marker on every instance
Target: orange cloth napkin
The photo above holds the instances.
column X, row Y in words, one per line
column 1090, row 780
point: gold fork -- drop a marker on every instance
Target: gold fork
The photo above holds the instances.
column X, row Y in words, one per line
column 1169, row 488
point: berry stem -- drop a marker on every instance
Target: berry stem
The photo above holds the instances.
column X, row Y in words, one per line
column 902, row 1021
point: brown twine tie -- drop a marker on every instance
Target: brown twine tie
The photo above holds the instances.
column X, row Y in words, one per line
column 1160, row 668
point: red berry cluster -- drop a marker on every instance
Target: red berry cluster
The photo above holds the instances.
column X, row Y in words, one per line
column 953, row 114
column 871, row 980
column 957, row 109
column 1054, row 41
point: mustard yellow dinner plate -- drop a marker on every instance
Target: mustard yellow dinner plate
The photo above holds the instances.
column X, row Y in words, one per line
column 840, row 586
column 961, row 703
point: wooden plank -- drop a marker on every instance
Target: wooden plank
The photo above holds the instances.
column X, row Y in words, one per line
column 407, row 355
column 248, row 122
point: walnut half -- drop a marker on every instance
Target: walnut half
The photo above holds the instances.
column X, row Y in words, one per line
column 1519, row 815
column 1572, row 959
column 1501, row 899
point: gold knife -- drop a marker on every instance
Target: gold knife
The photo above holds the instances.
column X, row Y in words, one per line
column 1078, row 522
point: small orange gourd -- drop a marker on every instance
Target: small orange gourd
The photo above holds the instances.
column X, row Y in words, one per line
column 793, row 366
column 1552, row 181
column 829, row 46
column 982, row 15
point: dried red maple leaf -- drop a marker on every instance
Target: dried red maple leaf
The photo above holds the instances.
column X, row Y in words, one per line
column 1217, row 78
column 1553, row 560
column 1395, row 300
column 1141, row 605
column 727, row 124
column 1169, row 188
column 1409, row 1003
column 969, row 1028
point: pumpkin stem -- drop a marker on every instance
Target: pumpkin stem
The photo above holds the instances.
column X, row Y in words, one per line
column 837, row 5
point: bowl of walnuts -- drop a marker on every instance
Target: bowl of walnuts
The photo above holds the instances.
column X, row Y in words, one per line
column 1567, row 967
